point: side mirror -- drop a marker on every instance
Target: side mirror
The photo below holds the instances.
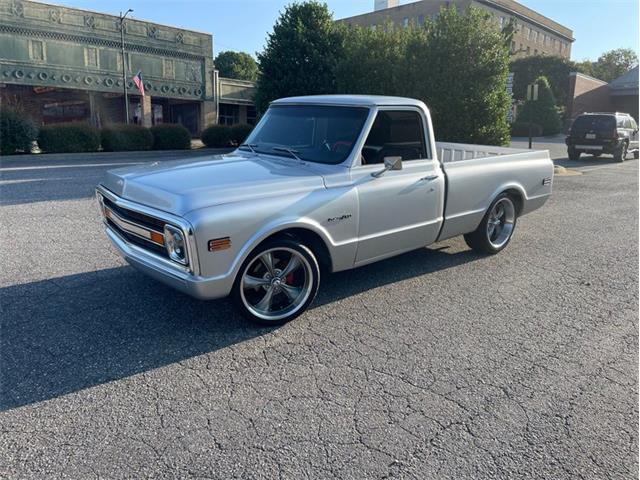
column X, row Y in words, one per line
column 390, row 163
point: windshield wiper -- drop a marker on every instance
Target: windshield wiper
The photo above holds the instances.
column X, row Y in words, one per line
column 250, row 146
column 290, row 151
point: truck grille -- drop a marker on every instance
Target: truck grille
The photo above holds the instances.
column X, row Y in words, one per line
column 135, row 227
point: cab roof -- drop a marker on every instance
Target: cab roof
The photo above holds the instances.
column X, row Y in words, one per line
column 350, row 100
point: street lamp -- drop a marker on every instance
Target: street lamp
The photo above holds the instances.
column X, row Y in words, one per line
column 124, row 68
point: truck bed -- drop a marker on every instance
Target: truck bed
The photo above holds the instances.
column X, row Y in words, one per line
column 477, row 173
column 453, row 152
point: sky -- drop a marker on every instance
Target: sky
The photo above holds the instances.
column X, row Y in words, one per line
column 243, row 25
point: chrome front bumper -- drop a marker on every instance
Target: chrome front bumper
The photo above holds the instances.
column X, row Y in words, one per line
column 185, row 278
column 181, row 279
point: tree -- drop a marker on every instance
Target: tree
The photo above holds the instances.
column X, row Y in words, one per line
column 239, row 65
column 614, row 63
column 373, row 61
column 462, row 74
column 543, row 111
column 555, row 69
column 301, row 54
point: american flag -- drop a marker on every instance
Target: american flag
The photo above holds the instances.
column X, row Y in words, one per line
column 137, row 79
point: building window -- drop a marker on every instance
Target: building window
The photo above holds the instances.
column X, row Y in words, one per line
column 373, row 27
column 251, row 115
column 528, row 51
column 513, row 47
column 168, row 68
column 420, row 20
column 501, row 22
column 37, row 51
column 405, row 22
column 229, row 114
column 91, row 57
column 535, row 52
column 119, row 61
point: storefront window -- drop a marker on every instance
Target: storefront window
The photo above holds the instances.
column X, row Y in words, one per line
column 229, row 114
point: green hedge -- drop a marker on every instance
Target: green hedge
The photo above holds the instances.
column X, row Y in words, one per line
column 69, row 138
column 17, row 132
column 240, row 132
column 216, row 136
column 521, row 129
column 170, row 136
column 122, row 138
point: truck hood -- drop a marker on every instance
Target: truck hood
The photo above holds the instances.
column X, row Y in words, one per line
column 178, row 187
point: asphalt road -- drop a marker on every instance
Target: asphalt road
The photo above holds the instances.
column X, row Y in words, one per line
column 437, row 364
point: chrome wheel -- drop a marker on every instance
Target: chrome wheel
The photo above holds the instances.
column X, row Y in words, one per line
column 276, row 284
column 501, row 222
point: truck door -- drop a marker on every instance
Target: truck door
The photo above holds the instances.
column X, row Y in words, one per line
column 399, row 210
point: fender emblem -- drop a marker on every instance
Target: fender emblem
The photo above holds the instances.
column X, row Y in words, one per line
column 338, row 219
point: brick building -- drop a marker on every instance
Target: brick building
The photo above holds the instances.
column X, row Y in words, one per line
column 64, row 64
column 588, row 94
column 536, row 34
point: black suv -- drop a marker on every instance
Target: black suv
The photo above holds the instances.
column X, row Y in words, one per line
column 598, row 133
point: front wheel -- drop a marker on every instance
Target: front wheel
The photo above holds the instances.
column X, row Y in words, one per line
column 277, row 282
column 496, row 228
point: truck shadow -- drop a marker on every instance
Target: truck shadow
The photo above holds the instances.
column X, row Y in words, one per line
column 65, row 334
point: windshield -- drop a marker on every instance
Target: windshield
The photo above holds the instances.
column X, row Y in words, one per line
column 321, row 134
column 598, row 123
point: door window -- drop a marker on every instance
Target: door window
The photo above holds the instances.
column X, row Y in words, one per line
column 395, row 134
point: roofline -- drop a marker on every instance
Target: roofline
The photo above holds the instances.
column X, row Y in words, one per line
column 499, row 6
column 492, row 4
column 53, row 4
column 576, row 74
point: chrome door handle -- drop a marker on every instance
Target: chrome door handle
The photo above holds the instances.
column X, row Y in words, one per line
column 430, row 178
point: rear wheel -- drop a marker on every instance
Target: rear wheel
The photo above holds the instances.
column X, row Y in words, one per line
column 573, row 153
column 636, row 154
column 496, row 228
column 621, row 153
column 277, row 282
column 596, row 154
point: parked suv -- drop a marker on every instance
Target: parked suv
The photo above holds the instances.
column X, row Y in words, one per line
column 598, row 133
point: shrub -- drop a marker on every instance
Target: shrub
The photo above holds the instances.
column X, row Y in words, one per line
column 170, row 136
column 69, row 138
column 542, row 111
column 17, row 132
column 521, row 129
column 240, row 132
column 122, row 138
column 216, row 136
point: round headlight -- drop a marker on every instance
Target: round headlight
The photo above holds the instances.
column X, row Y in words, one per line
column 175, row 244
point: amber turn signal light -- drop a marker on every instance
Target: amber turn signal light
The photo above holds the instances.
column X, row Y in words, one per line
column 219, row 244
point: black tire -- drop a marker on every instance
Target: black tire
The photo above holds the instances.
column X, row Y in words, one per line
column 573, row 154
column 596, row 154
column 277, row 249
column 636, row 154
column 621, row 152
column 480, row 240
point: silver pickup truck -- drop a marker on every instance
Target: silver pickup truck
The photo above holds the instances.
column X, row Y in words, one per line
column 323, row 183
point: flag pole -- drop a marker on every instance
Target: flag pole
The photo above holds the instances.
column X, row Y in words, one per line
column 124, row 67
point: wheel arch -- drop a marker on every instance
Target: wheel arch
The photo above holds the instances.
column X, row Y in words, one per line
column 309, row 238
column 308, row 233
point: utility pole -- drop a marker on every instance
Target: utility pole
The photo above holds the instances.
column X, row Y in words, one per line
column 532, row 96
column 124, row 66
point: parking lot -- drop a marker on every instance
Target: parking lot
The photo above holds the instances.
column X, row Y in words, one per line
column 440, row 363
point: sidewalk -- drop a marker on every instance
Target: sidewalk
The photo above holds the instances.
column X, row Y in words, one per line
column 554, row 143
